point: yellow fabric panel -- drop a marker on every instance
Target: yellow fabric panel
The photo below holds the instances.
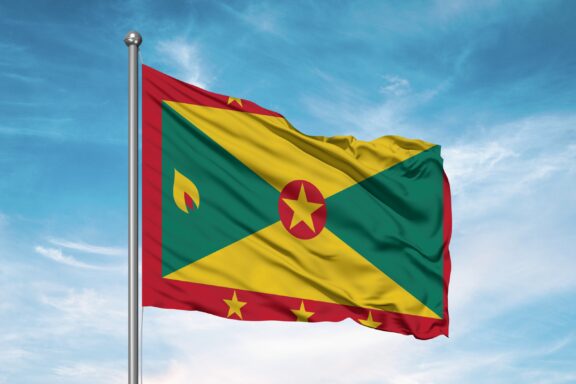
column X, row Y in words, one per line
column 278, row 153
column 273, row 261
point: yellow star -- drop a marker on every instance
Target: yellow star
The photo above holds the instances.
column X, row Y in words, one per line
column 234, row 99
column 302, row 314
column 369, row 322
column 234, row 306
column 303, row 209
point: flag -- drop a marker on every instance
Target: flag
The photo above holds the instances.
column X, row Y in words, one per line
column 247, row 218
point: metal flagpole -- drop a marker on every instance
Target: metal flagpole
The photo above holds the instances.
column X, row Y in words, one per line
column 133, row 41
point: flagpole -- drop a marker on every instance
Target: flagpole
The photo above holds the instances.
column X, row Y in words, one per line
column 133, row 41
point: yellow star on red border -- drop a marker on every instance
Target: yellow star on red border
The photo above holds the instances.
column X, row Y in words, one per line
column 237, row 100
column 369, row 322
column 235, row 306
column 302, row 314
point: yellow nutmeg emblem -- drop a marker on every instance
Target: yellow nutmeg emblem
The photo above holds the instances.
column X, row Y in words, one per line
column 186, row 195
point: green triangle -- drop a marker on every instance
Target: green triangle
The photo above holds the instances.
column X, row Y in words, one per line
column 235, row 202
column 395, row 220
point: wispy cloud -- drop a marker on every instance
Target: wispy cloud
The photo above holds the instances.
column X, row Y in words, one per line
column 10, row 354
column 313, row 353
column 88, row 248
column 58, row 256
column 184, row 56
column 22, row 77
column 474, row 162
column 395, row 86
column 77, row 310
column 31, row 131
column 13, row 53
column 369, row 118
column 13, row 356
column 511, row 203
column 260, row 16
column 336, row 353
column 91, row 373
column 494, row 164
column 3, row 220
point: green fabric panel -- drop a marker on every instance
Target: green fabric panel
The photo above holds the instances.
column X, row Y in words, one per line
column 395, row 220
column 234, row 201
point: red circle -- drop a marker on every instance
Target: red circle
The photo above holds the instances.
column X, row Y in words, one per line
column 301, row 229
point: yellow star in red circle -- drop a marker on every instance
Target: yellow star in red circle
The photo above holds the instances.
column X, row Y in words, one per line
column 303, row 209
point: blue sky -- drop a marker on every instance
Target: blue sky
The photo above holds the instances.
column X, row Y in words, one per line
column 492, row 81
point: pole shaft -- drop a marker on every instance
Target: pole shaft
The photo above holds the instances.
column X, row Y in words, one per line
column 133, row 345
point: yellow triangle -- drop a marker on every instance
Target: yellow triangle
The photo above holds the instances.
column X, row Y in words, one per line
column 323, row 268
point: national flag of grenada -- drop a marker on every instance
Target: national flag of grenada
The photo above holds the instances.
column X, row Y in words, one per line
column 247, row 218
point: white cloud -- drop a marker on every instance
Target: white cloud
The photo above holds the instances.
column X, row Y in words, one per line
column 511, row 201
column 80, row 310
column 492, row 166
column 500, row 266
column 11, row 355
column 31, row 131
column 23, row 78
column 3, row 222
column 368, row 119
column 59, row 257
column 91, row 373
column 474, row 162
column 395, row 86
column 261, row 17
column 89, row 248
column 263, row 352
column 185, row 57
column 449, row 10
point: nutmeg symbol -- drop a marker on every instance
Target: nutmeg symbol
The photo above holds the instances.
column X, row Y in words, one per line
column 186, row 195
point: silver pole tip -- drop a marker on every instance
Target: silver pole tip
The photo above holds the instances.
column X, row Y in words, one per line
column 133, row 38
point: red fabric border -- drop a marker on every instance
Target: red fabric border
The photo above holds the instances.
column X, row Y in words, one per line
column 164, row 293
column 447, row 260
